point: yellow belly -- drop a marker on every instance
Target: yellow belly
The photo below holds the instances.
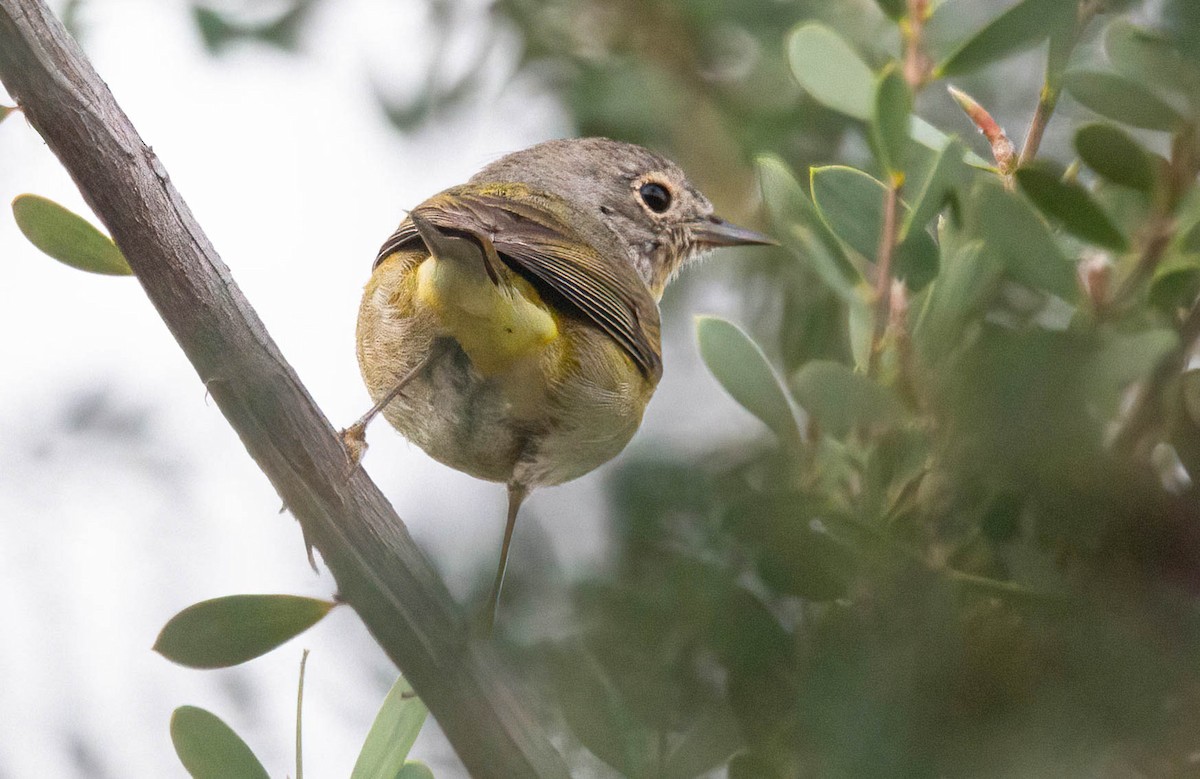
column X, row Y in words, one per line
column 522, row 392
column 497, row 325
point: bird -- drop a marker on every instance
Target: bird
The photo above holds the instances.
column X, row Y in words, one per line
column 510, row 326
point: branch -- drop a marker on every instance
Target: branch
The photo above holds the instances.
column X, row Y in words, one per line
column 1047, row 101
column 379, row 569
column 1146, row 412
column 882, row 297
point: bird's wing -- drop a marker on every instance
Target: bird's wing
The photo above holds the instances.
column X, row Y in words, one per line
column 553, row 256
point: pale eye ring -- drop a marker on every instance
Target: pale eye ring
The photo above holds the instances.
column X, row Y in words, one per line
column 656, row 197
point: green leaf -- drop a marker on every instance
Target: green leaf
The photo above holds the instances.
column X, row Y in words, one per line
column 1010, row 228
column 1189, row 385
column 895, row 9
column 967, row 280
column 209, row 749
column 831, row 71
column 860, row 317
column 851, row 204
column 708, row 743
column 805, row 563
column 415, row 770
column 1114, row 155
column 891, row 125
column 742, row 369
column 1147, row 57
column 841, row 399
column 945, row 175
column 1118, row 98
column 598, row 715
column 799, row 226
column 1020, row 27
column 1176, row 283
column 226, row 631
column 1182, row 21
column 396, row 726
column 1070, row 204
column 68, row 237
column 1128, row 358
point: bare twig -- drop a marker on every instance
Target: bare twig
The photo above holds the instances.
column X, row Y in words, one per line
column 883, row 276
column 1147, row 405
column 1047, row 101
column 917, row 62
column 300, row 717
column 379, row 570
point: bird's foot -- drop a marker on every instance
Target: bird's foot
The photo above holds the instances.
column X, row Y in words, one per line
column 354, row 441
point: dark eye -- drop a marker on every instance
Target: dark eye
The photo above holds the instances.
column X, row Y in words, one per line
column 656, row 197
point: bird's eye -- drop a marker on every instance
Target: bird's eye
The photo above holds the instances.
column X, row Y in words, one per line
column 656, row 197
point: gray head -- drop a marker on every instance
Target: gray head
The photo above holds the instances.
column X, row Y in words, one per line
column 644, row 198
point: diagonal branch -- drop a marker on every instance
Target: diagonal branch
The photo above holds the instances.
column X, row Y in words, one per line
column 379, row 570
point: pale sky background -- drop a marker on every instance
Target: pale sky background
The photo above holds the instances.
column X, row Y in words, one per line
column 125, row 496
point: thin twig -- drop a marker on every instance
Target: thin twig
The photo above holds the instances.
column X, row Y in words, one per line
column 917, row 62
column 1047, row 101
column 1145, row 413
column 883, row 276
column 300, row 717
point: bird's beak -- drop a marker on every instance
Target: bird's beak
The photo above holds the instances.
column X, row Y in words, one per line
column 714, row 231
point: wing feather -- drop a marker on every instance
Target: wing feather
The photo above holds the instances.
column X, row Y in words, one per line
column 553, row 255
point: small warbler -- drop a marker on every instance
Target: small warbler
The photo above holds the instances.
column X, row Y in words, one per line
column 510, row 327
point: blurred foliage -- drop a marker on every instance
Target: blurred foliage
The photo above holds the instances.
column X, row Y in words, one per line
column 983, row 557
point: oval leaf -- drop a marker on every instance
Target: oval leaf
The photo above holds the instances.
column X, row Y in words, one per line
column 1010, row 228
column 68, row 237
column 742, row 369
column 851, row 204
column 895, row 9
column 1114, row 155
column 940, row 184
column 1147, row 57
column 1176, row 283
column 707, row 744
column 598, row 714
column 1118, row 98
column 1070, row 205
column 1020, row 27
column 226, row 631
column 1182, row 22
column 1127, row 358
column 414, row 770
column 392, row 735
column 841, row 399
column 966, row 279
column 209, row 749
column 831, row 71
column 891, row 125
column 800, row 227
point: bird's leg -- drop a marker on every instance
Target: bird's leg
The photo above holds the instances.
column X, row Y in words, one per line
column 516, row 495
column 354, row 438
